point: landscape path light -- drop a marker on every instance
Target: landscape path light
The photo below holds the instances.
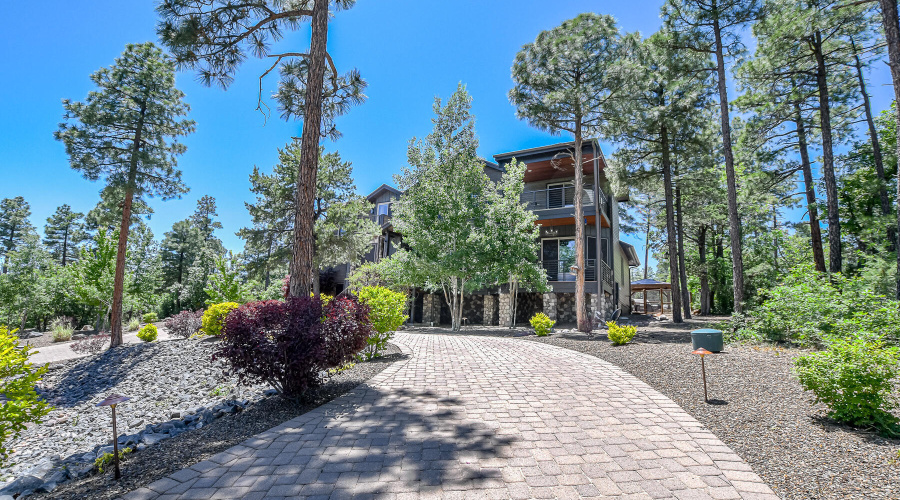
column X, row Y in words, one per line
column 112, row 400
column 703, row 352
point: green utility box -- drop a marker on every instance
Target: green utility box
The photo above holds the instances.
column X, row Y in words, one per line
column 709, row 339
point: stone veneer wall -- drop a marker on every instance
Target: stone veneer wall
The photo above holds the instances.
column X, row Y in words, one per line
column 490, row 310
column 550, row 305
column 566, row 308
column 505, row 309
column 529, row 304
column 473, row 309
column 430, row 309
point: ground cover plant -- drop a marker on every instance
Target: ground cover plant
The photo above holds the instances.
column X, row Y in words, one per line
column 387, row 312
column 289, row 344
column 18, row 378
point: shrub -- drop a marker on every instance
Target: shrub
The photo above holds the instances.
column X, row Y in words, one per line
column 854, row 378
column 214, row 318
column 620, row 335
column 150, row 317
column 148, row 333
column 542, row 324
column 184, row 324
column 387, row 311
column 62, row 329
column 18, row 378
column 91, row 345
column 290, row 344
column 811, row 308
column 133, row 325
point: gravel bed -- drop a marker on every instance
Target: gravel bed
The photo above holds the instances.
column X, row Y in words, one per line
column 181, row 400
column 759, row 410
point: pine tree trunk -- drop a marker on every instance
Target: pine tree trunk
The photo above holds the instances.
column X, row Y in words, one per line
column 892, row 37
column 876, row 147
column 670, row 226
column 734, row 221
column 647, row 241
column 302, row 251
column 815, row 231
column 704, row 273
column 115, row 326
column 682, row 272
column 831, row 195
column 581, row 317
column 65, row 249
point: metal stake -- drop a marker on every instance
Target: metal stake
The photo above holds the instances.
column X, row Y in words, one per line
column 703, row 352
column 112, row 400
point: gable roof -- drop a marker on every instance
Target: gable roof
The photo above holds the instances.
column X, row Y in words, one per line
column 630, row 254
column 382, row 188
column 543, row 150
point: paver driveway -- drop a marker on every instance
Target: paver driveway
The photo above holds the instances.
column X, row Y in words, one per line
column 480, row 417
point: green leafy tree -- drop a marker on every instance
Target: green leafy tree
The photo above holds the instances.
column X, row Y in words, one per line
column 18, row 378
column 714, row 28
column 127, row 131
column 93, row 276
column 564, row 82
column 214, row 37
column 14, row 225
column 28, row 265
column 511, row 237
column 63, row 233
column 228, row 283
column 444, row 207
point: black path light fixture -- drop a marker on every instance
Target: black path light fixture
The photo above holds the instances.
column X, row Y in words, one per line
column 703, row 352
column 112, row 400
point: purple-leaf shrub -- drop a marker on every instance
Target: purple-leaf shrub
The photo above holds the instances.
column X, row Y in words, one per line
column 91, row 344
column 290, row 344
column 184, row 324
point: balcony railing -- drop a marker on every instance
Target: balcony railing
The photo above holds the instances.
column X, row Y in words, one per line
column 381, row 219
column 558, row 197
column 561, row 271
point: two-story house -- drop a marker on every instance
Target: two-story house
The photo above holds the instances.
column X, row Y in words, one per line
column 550, row 193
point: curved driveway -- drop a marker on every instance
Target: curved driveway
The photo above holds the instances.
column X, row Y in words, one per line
column 480, row 417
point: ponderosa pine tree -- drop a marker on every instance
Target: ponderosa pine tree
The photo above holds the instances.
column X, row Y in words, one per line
column 63, row 233
column 204, row 216
column 663, row 112
column 443, row 210
column 179, row 249
column 215, row 36
column 565, row 81
column 14, row 225
column 713, row 27
column 107, row 214
column 127, row 131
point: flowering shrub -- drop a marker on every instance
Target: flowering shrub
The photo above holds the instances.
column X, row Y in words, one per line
column 148, row 333
column 620, row 335
column 185, row 323
column 290, row 343
column 542, row 324
column 387, row 311
column 214, row 317
column 18, row 378
column 90, row 345
column 855, row 378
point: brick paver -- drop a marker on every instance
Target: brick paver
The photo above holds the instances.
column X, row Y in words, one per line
column 480, row 417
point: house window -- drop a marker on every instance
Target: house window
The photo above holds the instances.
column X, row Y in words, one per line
column 384, row 208
column 558, row 257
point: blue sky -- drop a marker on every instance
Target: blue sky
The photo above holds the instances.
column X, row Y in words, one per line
column 408, row 51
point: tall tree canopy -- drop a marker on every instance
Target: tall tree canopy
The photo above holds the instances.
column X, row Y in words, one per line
column 14, row 225
column 565, row 81
column 215, row 36
column 63, row 233
column 127, row 132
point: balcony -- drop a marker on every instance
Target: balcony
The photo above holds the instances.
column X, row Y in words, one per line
column 559, row 197
column 560, row 270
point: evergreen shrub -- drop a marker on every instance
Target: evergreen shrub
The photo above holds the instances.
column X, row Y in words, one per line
column 620, row 335
column 542, row 324
column 148, row 333
column 150, row 317
column 214, row 318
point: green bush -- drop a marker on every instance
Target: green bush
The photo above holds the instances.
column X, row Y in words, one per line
column 148, row 333
column 214, row 318
column 542, row 324
column 620, row 335
column 854, row 378
column 387, row 311
column 18, row 379
column 810, row 309
column 150, row 318
column 133, row 325
column 62, row 330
